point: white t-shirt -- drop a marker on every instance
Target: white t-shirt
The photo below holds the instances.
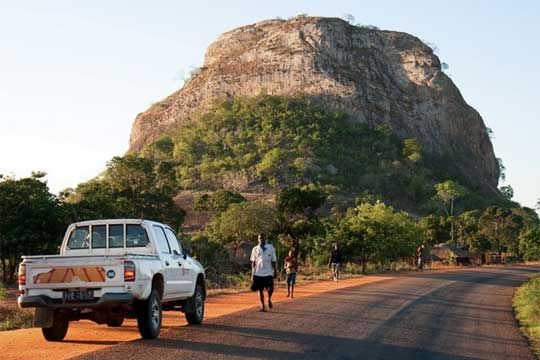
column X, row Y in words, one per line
column 263, row 260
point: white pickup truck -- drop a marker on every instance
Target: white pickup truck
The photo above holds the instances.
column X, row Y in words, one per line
column 108, row 270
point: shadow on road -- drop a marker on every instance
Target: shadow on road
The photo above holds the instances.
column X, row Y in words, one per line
column 291, row 345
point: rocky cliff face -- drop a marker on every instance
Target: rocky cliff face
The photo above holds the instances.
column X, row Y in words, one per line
column 378, row 77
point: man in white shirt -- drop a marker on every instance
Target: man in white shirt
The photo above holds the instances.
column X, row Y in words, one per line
column 263, row 266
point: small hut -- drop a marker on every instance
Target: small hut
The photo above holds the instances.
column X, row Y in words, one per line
column 449, row 254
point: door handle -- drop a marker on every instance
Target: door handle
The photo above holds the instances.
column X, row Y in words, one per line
column 179, row 263
column 167, row 263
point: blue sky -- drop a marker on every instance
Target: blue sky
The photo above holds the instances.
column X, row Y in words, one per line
column 74, row 74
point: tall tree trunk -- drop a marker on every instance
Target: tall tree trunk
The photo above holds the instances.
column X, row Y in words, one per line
column 452, row 220
column 296, row 247
column 4, row 270
column 12, row 269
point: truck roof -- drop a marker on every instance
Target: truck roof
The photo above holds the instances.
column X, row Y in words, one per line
column 116, row 221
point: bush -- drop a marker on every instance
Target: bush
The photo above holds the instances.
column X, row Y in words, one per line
column 218, row 201
column 526, row 300
column 529, row 244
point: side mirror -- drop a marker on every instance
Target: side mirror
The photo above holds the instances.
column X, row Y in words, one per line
column 175, row 252
column 186, row 253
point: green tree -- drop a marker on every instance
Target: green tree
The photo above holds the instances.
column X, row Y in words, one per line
column 479, row 243
column 129, row 187
column 436, row 229
column 297, row 213
column 507, row 191
column 218, row 201
column 133, row 180
column 30, row 220
column 242, row 222
column 467, row 227
column 412, row 150
column 159, row 150
column 447, row 192
column 529, row 244
column 502, row 227
column 378, row 233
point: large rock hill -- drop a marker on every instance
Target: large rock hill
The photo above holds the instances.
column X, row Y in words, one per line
column 378, row 77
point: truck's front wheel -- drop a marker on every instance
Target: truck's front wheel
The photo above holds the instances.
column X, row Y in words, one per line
column 195, row 314
column 59, row 329
column 149, row 316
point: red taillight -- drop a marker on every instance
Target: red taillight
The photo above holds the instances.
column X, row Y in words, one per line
column 22, row 274
column 129, row 271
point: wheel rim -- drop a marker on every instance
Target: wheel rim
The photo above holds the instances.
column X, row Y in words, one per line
column 155, row 313
column 199, row 304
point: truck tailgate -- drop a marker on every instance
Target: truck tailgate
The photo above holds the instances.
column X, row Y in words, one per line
column 60, row 272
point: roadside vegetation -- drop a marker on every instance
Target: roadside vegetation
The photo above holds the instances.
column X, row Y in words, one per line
column 17, row 319
column 526, row 306
column 11, row 317
column 3, row 292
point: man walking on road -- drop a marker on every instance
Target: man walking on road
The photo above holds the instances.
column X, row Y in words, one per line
column 335, row 261
column 263, row 266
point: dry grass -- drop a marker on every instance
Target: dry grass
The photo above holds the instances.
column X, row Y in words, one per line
column 17, row 319
column 3, row 292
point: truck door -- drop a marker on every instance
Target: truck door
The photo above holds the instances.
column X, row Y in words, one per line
column 171, row 268
column 186, row 266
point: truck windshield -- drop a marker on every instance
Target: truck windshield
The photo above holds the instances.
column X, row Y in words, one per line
column 79, row 238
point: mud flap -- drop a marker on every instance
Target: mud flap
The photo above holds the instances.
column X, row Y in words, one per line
column 43, row 318
column 188, row 306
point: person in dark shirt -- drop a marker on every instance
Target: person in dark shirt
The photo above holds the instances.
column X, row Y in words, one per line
column 335, row 261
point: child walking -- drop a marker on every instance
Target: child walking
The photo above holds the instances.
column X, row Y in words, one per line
column 291, row 267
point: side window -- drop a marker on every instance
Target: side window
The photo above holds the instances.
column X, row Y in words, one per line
column 99, row 236
column 136, row 236
column 173, row 240
column 79, row 238
column 116, row 236
column 161, row 240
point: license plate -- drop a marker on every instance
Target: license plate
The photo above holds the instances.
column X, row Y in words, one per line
column 78, row 295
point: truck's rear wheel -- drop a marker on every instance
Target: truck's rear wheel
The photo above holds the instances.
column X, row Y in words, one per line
column 149, row 316
column 59, row 329
column 195, row 315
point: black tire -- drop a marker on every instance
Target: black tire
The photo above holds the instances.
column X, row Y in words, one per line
column 196, row 314
column 149, row 315
column 115, row 322
column 59, row 329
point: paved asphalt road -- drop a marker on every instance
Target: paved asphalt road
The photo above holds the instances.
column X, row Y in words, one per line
column 453, row 315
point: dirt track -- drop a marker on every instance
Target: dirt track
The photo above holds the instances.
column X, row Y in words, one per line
column 84, row 336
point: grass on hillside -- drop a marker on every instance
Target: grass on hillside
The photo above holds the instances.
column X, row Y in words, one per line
column 527, row 308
